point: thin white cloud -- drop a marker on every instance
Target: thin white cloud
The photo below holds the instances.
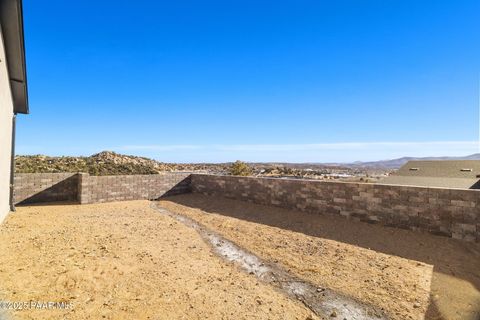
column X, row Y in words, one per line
column 308, row 147
column 319, row 152
column 159, row 147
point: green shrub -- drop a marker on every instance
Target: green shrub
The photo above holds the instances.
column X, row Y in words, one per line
column 240, row 168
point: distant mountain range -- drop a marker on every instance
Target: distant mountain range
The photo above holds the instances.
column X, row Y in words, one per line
column 397, row 163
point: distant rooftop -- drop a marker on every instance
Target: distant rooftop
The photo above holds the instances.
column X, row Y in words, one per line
column 455, row 174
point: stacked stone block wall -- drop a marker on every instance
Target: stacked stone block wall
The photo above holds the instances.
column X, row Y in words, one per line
column 447, row 212
column 83, row 188
column 94, row 189
column 45, row 187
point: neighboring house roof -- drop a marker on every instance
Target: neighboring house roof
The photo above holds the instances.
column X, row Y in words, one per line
column 11, row 21
column 455, row 174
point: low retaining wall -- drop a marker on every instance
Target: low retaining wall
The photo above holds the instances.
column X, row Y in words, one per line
column 447, row 212
column 119, row 188
column 83, row 188
column 45, row 187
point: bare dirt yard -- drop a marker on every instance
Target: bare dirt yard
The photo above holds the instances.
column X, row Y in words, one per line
column 410, row 275
column 126, row 260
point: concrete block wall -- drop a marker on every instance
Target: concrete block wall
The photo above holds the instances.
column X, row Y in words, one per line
column 45, row 187
column 447, row 212
column 83, row 188
column 94, row 189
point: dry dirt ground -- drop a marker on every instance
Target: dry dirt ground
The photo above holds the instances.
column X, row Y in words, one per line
column 410, row 275
column 127, row 261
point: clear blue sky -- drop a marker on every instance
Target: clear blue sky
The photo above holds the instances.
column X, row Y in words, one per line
column 252, row 80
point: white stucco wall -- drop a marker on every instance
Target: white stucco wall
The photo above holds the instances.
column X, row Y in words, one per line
column 6, row 114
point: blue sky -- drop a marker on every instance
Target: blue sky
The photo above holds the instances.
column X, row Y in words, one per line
column 298, row 81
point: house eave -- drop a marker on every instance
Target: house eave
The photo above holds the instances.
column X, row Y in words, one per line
column 11, row 20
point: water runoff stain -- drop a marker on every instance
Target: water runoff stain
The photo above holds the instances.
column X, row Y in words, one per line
column 324, row 302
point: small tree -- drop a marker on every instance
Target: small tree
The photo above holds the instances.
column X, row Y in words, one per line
column 240, row 168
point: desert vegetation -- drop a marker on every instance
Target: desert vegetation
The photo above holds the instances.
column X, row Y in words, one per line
column 106, row 163
column 111, row 163
column 240, row 168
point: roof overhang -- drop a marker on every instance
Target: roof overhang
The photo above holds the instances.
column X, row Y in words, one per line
column 11, row 20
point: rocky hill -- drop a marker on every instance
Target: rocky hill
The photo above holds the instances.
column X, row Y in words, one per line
column 111, row 163
column 105, row 163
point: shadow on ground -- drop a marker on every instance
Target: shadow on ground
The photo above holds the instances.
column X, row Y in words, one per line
column 453, row 261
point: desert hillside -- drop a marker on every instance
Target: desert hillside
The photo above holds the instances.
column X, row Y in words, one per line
column 103, row 163
column 111, row 163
